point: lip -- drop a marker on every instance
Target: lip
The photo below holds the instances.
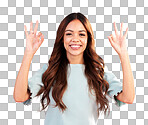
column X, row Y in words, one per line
column 75, row 48
column 75, row 45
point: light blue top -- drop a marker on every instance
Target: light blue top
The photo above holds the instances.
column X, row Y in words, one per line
column 81, row 105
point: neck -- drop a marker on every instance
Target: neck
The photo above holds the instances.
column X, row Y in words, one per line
column 78, row 59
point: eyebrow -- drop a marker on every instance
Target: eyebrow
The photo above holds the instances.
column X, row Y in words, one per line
column 72, row 30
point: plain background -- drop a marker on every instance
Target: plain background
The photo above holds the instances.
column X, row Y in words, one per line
column 101, row 14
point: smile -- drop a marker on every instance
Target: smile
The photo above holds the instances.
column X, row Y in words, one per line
column 75, row 47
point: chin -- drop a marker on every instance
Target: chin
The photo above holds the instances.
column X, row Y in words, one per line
column 75, row 53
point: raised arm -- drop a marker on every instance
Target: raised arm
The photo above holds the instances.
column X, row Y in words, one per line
column 118, row 42
column 33, row 42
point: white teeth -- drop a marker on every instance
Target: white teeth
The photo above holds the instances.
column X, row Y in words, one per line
column 75, row 46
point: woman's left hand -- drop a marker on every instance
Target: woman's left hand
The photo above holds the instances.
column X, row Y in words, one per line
column 118, row 42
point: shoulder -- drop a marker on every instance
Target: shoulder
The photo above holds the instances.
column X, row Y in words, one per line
column 39, row 72
column 109, row 76
column 107, row 73
column 43, row 68
column 106, row 69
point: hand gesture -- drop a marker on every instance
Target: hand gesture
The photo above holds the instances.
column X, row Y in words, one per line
column 33, row 41
column 118, row 42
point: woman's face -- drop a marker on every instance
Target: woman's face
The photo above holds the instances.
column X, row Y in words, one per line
column 75, row 38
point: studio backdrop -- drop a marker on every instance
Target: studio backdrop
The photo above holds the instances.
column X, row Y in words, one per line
column 14, row 14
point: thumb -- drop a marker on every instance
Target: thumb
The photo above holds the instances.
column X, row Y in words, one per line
column 111, row 41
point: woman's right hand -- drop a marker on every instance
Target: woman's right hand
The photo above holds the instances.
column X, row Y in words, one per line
column 33, row 41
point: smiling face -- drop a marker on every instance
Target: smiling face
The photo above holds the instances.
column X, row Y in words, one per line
column 75, row 39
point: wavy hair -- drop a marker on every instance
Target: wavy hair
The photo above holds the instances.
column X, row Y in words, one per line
column 55, row 76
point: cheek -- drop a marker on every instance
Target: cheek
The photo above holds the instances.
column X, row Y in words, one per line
column 66, row 40
column 85, row 42
column 66, row 43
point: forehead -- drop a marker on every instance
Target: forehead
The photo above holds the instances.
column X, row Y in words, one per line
column 75, row 24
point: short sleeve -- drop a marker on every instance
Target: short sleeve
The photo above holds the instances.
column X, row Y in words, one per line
column 115, row 86
column 35, row 83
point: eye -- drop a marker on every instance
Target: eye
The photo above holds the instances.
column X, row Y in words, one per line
column 82, row 34
column 68, row 34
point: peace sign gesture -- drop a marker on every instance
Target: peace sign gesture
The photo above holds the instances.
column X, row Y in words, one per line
column 118, row 42
column 33, row 41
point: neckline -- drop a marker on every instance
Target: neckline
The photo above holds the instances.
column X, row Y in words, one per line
column 76, row 65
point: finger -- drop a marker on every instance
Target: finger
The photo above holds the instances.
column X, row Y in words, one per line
column 26, row 30
column 121, row 29
column 110, row 40
column 125, row 35
column 112, row 37
column 116, row 30
column 42, row 39
column 39, row 35
column 31, row 27
column 36, row 27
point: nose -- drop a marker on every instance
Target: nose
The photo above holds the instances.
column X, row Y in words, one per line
column 75, row 38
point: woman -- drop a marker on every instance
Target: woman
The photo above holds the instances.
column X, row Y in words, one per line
column 75, row 82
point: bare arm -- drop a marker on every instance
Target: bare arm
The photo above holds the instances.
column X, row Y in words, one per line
column 33, row 42
column 20, row 90
column 128, row 93
column 119, row 44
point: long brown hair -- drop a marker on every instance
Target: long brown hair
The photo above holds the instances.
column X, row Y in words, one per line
column 55, row 76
